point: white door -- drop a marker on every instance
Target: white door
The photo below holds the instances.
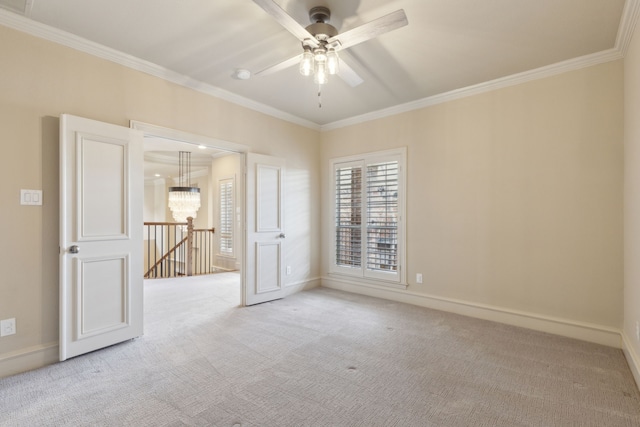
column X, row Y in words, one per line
column 101, row 194
column 265, row 229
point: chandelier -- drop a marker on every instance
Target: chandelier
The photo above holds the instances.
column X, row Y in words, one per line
column 184, row 200
column 322, row 61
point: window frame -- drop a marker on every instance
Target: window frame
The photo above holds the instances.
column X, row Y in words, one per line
column 231, row 234
column 393, row 279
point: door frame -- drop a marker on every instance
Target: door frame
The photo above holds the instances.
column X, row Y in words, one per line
column 150, row 130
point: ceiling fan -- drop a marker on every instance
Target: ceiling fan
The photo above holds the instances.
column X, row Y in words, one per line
column 321, row 41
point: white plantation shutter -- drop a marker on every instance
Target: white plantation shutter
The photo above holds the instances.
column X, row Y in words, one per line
column 226, row 216
column 368, row 231
column 382, row 216
column 349, row 216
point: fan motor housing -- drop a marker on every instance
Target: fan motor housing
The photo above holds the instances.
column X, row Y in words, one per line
column 320, row 29
column 319, row 14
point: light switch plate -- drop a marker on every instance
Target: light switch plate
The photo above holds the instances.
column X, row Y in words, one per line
column 7, row 327
column 31, row 197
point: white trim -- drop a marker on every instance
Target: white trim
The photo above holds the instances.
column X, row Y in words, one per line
column 220, row 180
column 630, row 16
column 175, row 181
column 394, row 279
column 632, row 358
column 37, row 29
column 365, row 281
column 28, row 8
column 166, row 159
column 28, row 358
column 188, row 138
column 512, row 80
column 302, row 285
column 628, row 21
column 199, row 174
column 579, row 330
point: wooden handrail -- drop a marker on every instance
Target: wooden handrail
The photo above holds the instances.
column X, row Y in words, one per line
column 165, row 256
column 166, row 223
column 190, row 238
column 213, row 230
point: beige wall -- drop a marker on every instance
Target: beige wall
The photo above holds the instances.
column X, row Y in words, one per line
column 632, row 201
column 514, row 197
column 40, row 80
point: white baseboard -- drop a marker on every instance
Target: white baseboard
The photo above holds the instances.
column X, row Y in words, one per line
column 303, row 285
column 579, row 330
column 632, row 358
column 28, row 359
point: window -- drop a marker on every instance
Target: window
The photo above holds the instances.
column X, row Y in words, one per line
column 369, row 204
column 226, row 216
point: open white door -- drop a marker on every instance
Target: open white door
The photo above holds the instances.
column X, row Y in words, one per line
column 101, row 196
column 265, row 229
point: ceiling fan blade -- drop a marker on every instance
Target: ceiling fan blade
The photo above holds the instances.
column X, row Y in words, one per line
column 349, row 75
column 280, row 66
column 370, row 30
column 284, row 19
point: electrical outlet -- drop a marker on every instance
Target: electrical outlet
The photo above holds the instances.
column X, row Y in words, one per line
column 419, row 278
column 288, row 270
column 7, row 327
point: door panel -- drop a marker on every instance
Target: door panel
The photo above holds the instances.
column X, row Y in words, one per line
column 267, row 267
column 102, row 190
column 101, row 278
column 265, row 231
column 268, row 197
column 102, row 296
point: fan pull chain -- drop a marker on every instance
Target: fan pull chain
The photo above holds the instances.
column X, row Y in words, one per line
column 319, row 96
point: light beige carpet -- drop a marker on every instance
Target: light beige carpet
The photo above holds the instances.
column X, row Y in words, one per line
column 323, row 358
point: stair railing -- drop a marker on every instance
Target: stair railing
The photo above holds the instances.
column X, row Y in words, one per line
column 177, row 249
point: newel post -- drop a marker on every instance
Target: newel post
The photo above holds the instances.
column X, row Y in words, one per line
column 189, row 246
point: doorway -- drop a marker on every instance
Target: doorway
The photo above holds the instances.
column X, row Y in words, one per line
column 217, row 170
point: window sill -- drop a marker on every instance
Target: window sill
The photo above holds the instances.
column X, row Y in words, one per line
column 368, row 282
column 226, row 256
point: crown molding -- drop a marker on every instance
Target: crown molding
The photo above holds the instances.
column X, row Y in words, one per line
column 37, row 29
column 627, row 26
column 512, row 80
column 630, row 16
column 197, row 174
column 167, row 158
column 151, row 130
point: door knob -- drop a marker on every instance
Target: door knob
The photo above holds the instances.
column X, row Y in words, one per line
column 74, row 249
column 282, row 236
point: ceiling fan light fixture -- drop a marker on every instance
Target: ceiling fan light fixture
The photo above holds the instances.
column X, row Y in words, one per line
column 320, row 73
column 306, row 63
column 320, row 55
column 322, row 35
column 320, row 62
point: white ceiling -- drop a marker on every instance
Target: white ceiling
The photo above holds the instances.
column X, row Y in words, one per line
column 448, row 45
column 161, row 158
